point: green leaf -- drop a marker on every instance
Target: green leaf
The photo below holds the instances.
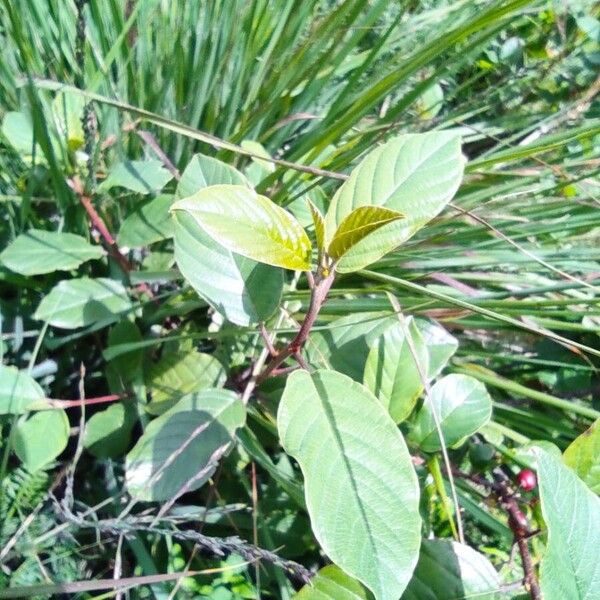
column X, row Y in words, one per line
column 37, row 251
column 19, row 392
column 463, row 406
column 331, row 583
column 361, row 489
column 17, row 128
column 68, row 112
column 76, row 303
column 361, row 223
column 128, row 365
column 583, row 456
column 41, row 438
column 204, row 171
column 319, row 224
column 570, row 568
column 391, row 372
column 242, row 290
column 259, row 168
column 108, row 432
column 251, row 225
column 441, row 346
column 141, row 176
column 448, row 570
column 148, row 223
column 177, row 374
column 415, row 174
column 345, row 346
column 180, row 450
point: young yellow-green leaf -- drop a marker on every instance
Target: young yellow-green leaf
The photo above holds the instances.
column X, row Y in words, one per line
column 41, row 438
column 391, row 372
column 583, row 456
column 463, row 406
column 242, row 290
column 361, row 489
column 36, row 252
column 19, row 392
column 319, row 223
column 570, row 567
column 180, row 450
column 416, row 174
column 361, row 222
column 249, row 224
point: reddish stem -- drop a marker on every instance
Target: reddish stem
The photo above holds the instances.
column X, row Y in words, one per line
column 85, row 402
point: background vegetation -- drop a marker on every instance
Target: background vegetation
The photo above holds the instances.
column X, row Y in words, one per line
column 510, row 268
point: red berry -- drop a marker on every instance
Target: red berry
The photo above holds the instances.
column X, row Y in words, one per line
column 527, row 480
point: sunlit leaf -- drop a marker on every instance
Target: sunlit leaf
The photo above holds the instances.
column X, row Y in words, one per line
column 204, row 171
column 360, row 486
column 248, row 224
column 569, row 568
column 391, row 372
column 583, row 456
column 361, row 223
column 319, row 224
column 415, row 174
column 242, row 290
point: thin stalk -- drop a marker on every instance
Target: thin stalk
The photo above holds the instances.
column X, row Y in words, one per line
column 436, row 419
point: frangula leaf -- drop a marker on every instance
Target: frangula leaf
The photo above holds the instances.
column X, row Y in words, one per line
column 361, row 223
column 242, row 290
column 569, row 569
column 108, row 432
column 41, row 438
column 391, row 372
column 463, row 406
column 331, row 583
column 583, row 456
column 249, row 224
column 441, row 346
column 180, row 450
column 448, row 570
column 141, row 176
column 19, row 392
column 361, row 489
column 204, row 171
column 148, row 223
column 346, row 344
column 79, row 302
column 178, row 374
column 415, row 174
column 319, row 224
column 36, row 252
